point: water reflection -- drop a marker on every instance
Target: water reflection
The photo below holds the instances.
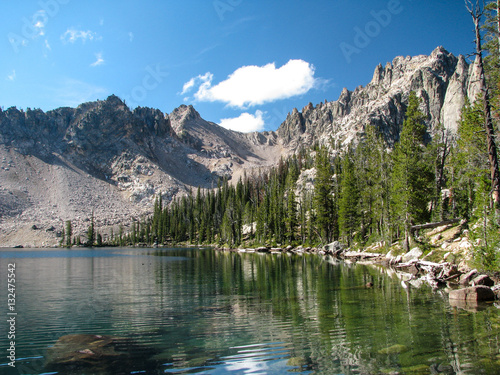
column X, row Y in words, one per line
column 217, row 312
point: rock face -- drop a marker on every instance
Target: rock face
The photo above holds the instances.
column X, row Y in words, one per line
column 441, row 80
column 103, row 157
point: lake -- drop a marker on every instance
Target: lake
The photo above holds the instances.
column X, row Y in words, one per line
column 209, row 312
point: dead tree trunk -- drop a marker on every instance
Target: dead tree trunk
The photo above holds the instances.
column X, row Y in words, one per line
column 476, row 12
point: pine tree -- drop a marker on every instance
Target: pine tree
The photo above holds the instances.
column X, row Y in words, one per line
column 291, row 222
column 91, row 232
column 349, row 200
column 469, row 161
column 324, row 207
column 471, row 184
column 412, row 175
column 69, row 233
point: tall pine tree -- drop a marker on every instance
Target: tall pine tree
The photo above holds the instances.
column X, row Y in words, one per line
column 349, row 199
column 412, row 175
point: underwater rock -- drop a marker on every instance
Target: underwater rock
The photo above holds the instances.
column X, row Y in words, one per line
column 394, row 349
column 96, row 354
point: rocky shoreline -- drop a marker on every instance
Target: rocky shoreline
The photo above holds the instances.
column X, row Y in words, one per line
column 467, row 288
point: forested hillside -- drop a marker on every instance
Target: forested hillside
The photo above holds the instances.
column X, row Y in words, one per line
column 361, row 195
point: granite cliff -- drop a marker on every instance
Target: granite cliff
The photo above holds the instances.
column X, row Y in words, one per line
column 103, row 157
column 441, row 80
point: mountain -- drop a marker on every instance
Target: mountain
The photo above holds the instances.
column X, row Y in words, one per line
column 441, row 80
column 104, row 158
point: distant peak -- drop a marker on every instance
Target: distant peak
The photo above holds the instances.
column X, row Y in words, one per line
column 114, row 100
column 440, row 50
column 185, row 113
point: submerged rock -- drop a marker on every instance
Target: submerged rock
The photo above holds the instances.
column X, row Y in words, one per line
column 394, row 349
column 96, row 354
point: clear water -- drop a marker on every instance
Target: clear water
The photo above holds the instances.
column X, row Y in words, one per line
column 215, row 313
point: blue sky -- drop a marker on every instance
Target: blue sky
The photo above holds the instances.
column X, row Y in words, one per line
column 242, row 63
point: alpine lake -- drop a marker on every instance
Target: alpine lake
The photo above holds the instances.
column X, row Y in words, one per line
column 198, row 310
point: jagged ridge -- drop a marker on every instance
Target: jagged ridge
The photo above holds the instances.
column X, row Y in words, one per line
column 441, row 80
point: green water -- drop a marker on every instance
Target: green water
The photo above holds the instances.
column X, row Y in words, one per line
column 211, row 312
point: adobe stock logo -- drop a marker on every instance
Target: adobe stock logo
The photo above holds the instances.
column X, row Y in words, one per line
column 34, row 27
column 372, row 29
column 152, row 79
column 224, row 6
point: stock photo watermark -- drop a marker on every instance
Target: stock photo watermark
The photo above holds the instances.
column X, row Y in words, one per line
column 223, row 6
column 372, row 29
column 33, row 27
column 153, row 78
column 11, row 314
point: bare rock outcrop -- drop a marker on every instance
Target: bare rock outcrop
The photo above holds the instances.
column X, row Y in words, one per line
column 441, row 80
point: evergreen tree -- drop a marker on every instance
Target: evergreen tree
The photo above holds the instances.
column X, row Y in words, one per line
column 372, row 175
column 470, row 161
column 69, row 233
column 472, row 185
column 324, row 207
column 349, row 200
column 291, row 222
column 99, row 242
column 91, row 232
column 412, row 173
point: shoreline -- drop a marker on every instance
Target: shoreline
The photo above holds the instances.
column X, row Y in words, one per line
column 467, row 288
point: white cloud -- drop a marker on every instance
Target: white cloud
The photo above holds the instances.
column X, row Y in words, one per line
column 245, row 123
column 99, row 60
column 200, row 80
column 254, row 85
column 47, row 45
column 72, row 35
column 131, row 36
column 188, row 86
column 12, row 76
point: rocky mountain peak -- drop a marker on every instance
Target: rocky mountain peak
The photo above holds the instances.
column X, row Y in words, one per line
column 183, row 115
column 440, row 79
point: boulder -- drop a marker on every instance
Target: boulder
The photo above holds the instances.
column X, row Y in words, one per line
column 96, row 354
column 483, row 280
column 334, row 248
column 449, row 271
column 466, row 278
column 496, row 290
column 414, row 253
column 473, row 294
